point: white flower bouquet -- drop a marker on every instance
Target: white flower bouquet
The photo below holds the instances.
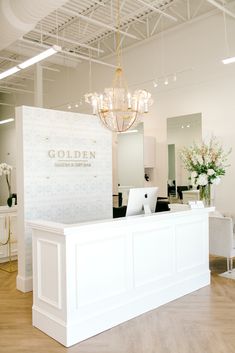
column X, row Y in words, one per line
column 206, row 163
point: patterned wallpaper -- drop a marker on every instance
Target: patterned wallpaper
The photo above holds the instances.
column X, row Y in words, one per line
column 67, row 167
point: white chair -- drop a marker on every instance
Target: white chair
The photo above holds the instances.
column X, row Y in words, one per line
column 222, row 238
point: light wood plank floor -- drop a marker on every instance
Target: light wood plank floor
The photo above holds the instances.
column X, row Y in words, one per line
column 201, row 322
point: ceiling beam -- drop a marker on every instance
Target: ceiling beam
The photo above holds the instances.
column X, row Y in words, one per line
column 97, row 23
column 139, row 32
column 188, row 10
column 48, row 34
column 15, row 89
column 157, row 10
column 7, row 104
column 198, row 8
column 178, row 14
column 49, row 68
column 222, row 8
column 5, row 92
column 14, row 83
column 9, row 59
column 156, row 25
column 19, row 61
column 74, row 55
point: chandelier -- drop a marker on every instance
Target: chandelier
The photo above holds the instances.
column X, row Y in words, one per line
column 117, row 107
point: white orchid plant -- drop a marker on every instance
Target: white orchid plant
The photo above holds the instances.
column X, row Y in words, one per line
column 5, row 169
column 206, row 162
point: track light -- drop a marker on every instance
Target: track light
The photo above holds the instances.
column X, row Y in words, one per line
column 166, row 81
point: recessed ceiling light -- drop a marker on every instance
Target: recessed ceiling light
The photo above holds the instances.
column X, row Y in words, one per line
column 69, row 106
column 166, row 81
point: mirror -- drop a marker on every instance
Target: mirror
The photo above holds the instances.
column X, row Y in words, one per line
column 182, row 131
column 128, row 160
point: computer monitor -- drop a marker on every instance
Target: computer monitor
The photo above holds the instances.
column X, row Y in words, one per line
column 141, row 200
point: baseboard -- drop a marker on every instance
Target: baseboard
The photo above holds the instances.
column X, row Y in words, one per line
column 24, row 284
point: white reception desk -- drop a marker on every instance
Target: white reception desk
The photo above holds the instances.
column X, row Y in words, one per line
column 89, row 277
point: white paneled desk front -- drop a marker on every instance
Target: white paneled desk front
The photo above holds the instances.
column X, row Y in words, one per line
column 92, row 276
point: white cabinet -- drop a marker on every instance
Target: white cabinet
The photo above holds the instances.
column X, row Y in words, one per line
column 8, row 215
column 149, row 151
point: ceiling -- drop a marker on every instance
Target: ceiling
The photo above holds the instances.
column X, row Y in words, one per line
column 86, row 31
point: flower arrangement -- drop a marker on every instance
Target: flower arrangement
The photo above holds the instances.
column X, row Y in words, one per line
column 206, row 163
column 5, row 169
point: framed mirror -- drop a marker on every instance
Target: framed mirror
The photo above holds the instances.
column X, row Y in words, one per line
column 182, row 131
column 128, row 161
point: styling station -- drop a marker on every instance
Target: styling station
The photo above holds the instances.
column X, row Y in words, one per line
column 89, row 277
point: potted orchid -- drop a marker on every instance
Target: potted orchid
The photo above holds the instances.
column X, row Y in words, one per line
column 5, row 169
column 206, row 164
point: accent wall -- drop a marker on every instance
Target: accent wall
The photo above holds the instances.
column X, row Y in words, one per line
column 64, row 173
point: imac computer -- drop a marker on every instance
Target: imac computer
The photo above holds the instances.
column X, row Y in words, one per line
column 141, row 200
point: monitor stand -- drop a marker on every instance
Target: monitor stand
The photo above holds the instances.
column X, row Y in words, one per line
column 147, row 209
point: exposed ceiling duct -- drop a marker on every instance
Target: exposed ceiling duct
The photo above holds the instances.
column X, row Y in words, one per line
column 19, row 17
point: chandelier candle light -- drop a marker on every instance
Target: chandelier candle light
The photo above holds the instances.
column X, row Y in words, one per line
column 117, row 108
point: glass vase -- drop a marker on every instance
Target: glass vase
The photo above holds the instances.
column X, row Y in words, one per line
column 205, row 194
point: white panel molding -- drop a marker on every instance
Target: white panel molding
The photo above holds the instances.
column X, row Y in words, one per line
column 56, row 303
column 197, row 240
column 104, row 243
column 169, row 255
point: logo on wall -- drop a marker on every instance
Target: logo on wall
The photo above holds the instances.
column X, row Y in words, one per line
column 67, row 158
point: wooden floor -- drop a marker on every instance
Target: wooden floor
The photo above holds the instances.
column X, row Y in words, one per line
column 202, row 322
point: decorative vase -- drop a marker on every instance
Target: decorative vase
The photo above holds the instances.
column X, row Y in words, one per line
column 9, row 201
column 205, row 194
